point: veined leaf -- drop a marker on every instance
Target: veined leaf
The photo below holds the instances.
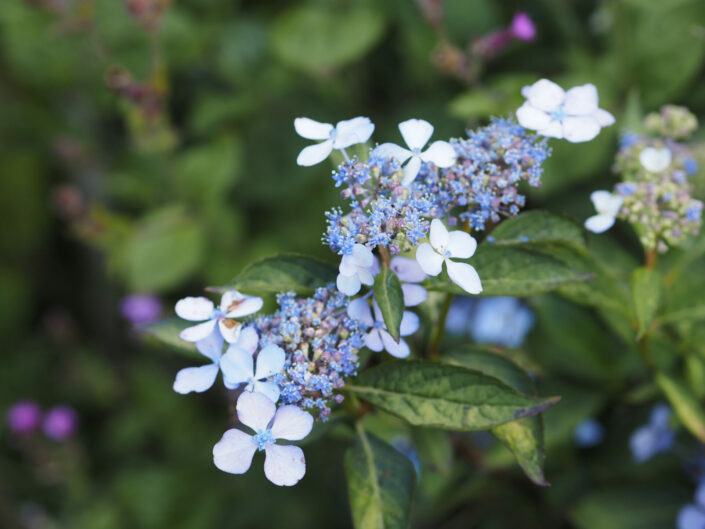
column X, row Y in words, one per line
column 646, row 297
column 684, row 403
column 390, row 299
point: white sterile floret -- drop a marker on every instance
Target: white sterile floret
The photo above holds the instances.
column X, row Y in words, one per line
column 409, row 272
column 199, row 379
column 442, row 248
column 344, row 134
column 233, row 305
column 416, row 133
column 573, row 115
column 284, row 465
column 356, row 269
column 607, row 206
column 378, row 338
column 655, row 160
column 238, row 367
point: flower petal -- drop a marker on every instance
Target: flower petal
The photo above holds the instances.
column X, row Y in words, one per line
column 416, row 132
column 237, row 366
column 352, row 131
column 248, row 339
column 411, row 169
column 198, row 332
column 599, row 223
column 314, row 154
column 230, row 329
column 580, row 129
column 554, row 129
column 397, row 350
column 255, row 410
column 194, row 309
column 690, row 517
column 430, row 261
column 392, row 150
column 655, row 160
column 270, row 361
column 604, row 118
column 461, row 245
column 581, row 100
column 365, row 276
column 413, row 294
column 359, row 310
column 348, row 285
column 268, row 389
column 291, row 423
column 545, row 95
column 363, row 256
column 532, row 118
column 438, row 236
column 245, row 306
column 407, row 270
column 606, row 203
column 197, row 379
column 409, row 323
column 211, row 346
column 234, row 452
column 312, row 129
column 373, row 341
column 440, row 153
column 284, row 465
column 465, row 276
column 347, row 266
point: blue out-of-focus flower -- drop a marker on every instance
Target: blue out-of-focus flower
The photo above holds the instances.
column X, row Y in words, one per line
column 588, row 433
column 654, row 437
column 690, row 166
column 501, row 321
column 140, row 309
column 459, row 316
column 692, row 516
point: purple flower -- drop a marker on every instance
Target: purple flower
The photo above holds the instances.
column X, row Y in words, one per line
column 522, row 27
column 24, row 417
column 60, row 423
column 140, row 309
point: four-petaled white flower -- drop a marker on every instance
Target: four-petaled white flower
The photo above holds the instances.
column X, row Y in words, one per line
column 284, row 465
column 378, row 337
column 573, row 115
column 444, row 246
column 356, row 269
column 416, row 133
column 607, row 206
column 655, row 160
column 344, row 134
column 199, row 379
column 232, row 305
column 238, row 368
column 409, row 272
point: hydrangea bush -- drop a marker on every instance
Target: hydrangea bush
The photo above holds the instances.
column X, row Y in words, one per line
column 303, row 343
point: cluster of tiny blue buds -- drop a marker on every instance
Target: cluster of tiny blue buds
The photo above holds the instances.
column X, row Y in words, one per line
column 321, row 344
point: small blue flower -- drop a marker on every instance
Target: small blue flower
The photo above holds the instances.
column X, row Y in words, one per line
column 653, row 438
column 501, row 321
column 690, row 166
column 588, row 433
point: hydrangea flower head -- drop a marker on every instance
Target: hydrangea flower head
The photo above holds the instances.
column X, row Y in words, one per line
column 416, row 133
column 284, row 465
column 607, row 206
column 573, row 115
column 344, row 134
column 442, row 248
column 233, row 305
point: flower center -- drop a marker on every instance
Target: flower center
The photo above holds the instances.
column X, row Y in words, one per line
column 446, row 254
column 218, row 314
column 416, row 151
column 262, row 438
column 558, row 114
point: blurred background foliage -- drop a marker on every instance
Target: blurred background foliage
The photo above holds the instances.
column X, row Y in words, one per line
column 148, row 146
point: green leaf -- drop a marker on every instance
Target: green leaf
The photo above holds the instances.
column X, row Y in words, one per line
column 166, row 332
column 282, row 273
column 684, row 403
column 317, row 39
column 523, row 438
column 646, row 297
column 539, row 227
column 444, row 396
column 513, row 271
column 390, row 299
column 381, row 483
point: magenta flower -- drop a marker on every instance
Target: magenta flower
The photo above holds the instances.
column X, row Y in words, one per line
column 522, row 27
column 140, row 309
column 24, row 417
column 60, row 423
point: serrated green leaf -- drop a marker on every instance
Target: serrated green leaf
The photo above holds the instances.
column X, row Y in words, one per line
column 444, row 396
column 166, row 332
column 684, row 403
column 282, row 273
column 646, row 297
column 523, row 438
column 390, row 299
column 381, row 483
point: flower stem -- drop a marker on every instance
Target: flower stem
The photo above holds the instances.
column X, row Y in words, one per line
column 437, row 339
column 650, row 259
column 384, row 254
